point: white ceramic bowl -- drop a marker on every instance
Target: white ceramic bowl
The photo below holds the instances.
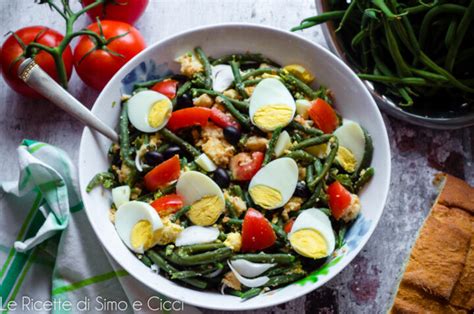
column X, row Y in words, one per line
column 352, row 99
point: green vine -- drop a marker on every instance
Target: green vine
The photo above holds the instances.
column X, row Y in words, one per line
column 70, row 18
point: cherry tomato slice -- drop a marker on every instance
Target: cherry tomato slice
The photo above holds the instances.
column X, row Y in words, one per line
column 244, row 166
column 163, row 174
column 188, row 117
column 167, row 88
column 257, row 233
column 223, row 119
column 289, row 225
column 168, row 204
column 324, row 116
column 339, row 199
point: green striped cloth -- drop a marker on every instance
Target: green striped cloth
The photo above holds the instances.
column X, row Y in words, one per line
column 49, row 255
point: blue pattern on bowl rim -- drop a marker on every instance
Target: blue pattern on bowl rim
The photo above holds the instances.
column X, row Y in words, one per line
column 145, row 71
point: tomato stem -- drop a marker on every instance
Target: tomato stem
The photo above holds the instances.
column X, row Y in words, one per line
column 57, row 52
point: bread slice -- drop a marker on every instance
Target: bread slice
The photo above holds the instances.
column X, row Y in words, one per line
column 439, row 276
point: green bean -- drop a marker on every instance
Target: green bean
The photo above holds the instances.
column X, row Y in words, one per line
column 312, row 142
column 170, row 136
column 251, row 82
column 365, row 177
column 420, row 8
column 279, row 231
column 301, row 155
column 310, row 131
column 382, row 5
column 234, row 221
column 207, row 66
column 279, row 270
column 319, row 19
column 271, row 146
column 170, row 270
column 145, row 260
column 447, row 8
column 340, row 236
column 412, row 81
column 236, row 190
column 180, row 92
column 450, row 33
column 253, row 292
column 241, row 105
column 314, row 198
column 277, row 281
column 346, row 15
column 394, row 49
column 180, row 213
column 245, row 57
column 201, row 258
column 278, row 258
column 124, row 137
column 328, row 162
column 230, row 209
column 202, row 247
column 106, row 179
column 258, row 72
column 459, row 37
column 238, row 79
column 298, row 84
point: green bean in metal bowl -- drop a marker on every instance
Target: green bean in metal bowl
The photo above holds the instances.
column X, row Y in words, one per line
column 415, row 56
column 235, row 175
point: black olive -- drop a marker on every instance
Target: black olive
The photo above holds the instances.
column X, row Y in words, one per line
column 180, row 78
column 153, row 158
column 232, row 135
column 221, row 177
column 302, row 190
column 171, row 151
column 249, row 65
column 184, row 101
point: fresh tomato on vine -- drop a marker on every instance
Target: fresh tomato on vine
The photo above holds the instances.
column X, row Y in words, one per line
column 14, row 50
column 97, row 62
column 128, row 11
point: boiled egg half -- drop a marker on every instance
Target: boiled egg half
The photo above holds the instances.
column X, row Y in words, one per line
column 136, row 223
column 203, row 195
column 312, row 234
column 271, row 105
column 273, row 185
column 149, row 111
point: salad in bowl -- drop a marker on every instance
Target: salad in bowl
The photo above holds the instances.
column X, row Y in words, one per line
column 243, row 177
column 235, row 175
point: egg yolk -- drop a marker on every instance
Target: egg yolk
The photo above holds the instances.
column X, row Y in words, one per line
column 309, row 243
column 270, row 117
column 159, row 112
column 265, row 196
column 300, row 72
column 206, row 211
column 142, row 235
column 319, row 151
column 346, row 159
column 168, row 233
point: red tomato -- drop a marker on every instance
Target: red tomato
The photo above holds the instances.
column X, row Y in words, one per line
column 188, row 117
column 223, row 119
column 324, row 116
column 289, row 225
column 12, row 50
column 244, row 166
column 257, row 233
column 339, row 199
column 167, row 88
column 96, row 68
column 128, row 11
column 168, row 204
column 163, row 174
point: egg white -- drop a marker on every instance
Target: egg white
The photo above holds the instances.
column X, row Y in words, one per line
column 197, row 235
column 315, row 219
column 351, row 135
column 193, row 186
column 129, row 214
column 280, row 174
column 222, row 77
column 270, row 91
column 139, row 106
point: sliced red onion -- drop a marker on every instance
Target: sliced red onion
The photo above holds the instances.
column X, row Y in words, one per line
column 222, row 77
column 215, row 273
column 155, row 269
column 251, row 283
column 250, row 269
column 138, row 162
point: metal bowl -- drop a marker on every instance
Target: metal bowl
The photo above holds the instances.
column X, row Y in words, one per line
column 443, row 120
